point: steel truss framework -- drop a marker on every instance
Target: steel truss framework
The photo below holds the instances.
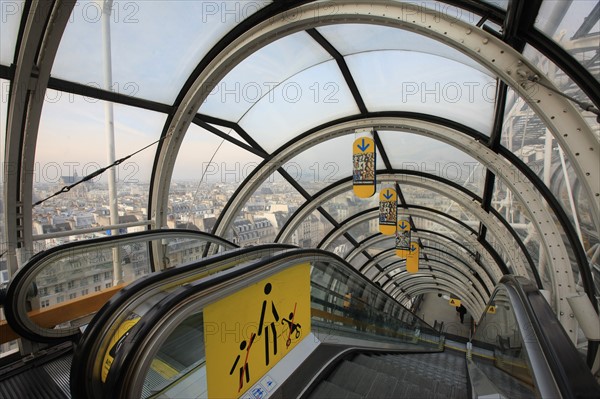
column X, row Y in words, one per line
column 42, row 28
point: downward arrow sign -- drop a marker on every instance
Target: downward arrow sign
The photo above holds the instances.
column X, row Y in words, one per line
column 363, row 147
column 412, row 248
column 403, row 226
column 388, row 195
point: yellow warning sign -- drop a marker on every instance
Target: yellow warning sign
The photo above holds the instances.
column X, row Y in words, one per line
column 363, row 161
column 248, row 332
column 412, row 260
column 454, row 302
column 491, row 309
column 387, row 211
column 115, row 342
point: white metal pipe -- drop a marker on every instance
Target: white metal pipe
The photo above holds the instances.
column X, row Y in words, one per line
column 110, row 136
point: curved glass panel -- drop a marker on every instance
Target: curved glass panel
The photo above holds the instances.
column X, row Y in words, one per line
column 340, row 246
column 525, row 135
column 325, row 163
column 423, row 154
column 347, row 204
column 65, row 288
column 207, row 172
column 574, row 27
column 358, row 261
column 255, row 78
column 503, row 4
column 511, row 208
column 10, row 15
column 266, row 212
column 364, row 229
column 356, row 38
column 500, row 350
column 564, row 83
column 417, row 82
column 147, row 62
column 305, row 100
column 71, row 144
column 450, row 11
column 311, row 231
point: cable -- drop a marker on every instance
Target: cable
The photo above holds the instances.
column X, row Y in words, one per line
column 92, row 175
column 583, row 105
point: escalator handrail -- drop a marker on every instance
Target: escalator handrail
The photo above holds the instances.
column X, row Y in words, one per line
column 16, row 292
column 136, row 345
column 568, row 369
column 104, row 318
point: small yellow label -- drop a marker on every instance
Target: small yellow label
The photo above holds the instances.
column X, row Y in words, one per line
column 454, row 302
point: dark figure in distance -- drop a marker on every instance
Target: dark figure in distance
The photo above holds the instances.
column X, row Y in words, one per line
column 461, row 311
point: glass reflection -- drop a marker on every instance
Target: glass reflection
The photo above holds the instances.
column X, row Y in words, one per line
column 11, row 13
column 207, row 173
column 311, row 231
column 499, row 352
column 423, row 83
column 347, row 204
column 314, row 96
column 527, row 137
column 257, row 76
column 267, row 211
column 423, row 154
column 147, row 62
column 71, row 144
column 573, row 25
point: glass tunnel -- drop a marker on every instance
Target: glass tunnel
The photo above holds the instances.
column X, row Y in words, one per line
column 371, row 165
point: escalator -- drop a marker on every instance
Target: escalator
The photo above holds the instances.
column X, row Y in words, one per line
column 361, row 342
column 322, row 330
column 440, row 375
column 54, row 330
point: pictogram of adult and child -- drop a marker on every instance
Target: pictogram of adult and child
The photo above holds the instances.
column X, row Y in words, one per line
column 267, row 328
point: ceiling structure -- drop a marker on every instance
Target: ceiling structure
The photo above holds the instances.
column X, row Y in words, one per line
column 484, row 116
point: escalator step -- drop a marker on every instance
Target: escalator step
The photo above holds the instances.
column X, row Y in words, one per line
column 32, row 384
column 347, row 375
column 328, row 390
column 367, row 361
column 383, row 387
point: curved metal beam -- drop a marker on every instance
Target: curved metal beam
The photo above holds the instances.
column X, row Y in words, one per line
column 424, row 282
column 44, row 26
column 455, row 271
column 484, row 274
column 558, row 114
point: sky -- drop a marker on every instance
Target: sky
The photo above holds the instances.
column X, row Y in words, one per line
column 274, row 94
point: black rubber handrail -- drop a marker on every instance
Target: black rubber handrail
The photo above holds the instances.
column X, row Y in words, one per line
column 571, row 375
column 87, row 348
column 127, row 357
column 16, row 293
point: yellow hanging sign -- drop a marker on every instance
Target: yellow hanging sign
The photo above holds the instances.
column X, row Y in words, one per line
column 387, row 211
column 412, row 260
column 454, row 302
column 363, row 166
column 403, row 238
column 248, row 332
